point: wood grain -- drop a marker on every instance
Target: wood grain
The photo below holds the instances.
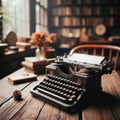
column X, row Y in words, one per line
column 105, row 106
column 27, row 109
column 108, row 105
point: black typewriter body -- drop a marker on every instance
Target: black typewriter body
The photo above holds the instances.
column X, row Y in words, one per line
column 67, row 82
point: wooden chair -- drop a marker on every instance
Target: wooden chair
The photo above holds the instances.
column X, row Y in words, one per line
column 109, row 51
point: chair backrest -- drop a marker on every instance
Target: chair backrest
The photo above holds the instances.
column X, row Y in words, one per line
column 109, row 51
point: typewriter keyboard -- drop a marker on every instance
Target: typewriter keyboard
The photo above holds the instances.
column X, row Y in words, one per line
column 59, row 91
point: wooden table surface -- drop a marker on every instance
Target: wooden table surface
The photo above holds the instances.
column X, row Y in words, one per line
column 107, row 107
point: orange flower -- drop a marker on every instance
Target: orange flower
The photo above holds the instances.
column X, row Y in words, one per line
column 52, row 37
column 42, row 39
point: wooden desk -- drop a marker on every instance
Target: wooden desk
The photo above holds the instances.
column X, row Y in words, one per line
column 107, row 107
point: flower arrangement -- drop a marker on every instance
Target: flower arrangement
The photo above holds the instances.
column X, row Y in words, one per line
column 43, row 39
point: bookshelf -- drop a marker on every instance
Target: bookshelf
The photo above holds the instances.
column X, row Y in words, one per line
column 70, row 16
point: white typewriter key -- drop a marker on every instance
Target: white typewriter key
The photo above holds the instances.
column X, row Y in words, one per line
column 71, row 98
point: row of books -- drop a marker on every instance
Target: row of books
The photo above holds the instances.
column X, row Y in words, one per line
column 85, row 2
column 66, row 11
column 66, row 21
column 83, row 11
column 74, row 21
column 68, row 2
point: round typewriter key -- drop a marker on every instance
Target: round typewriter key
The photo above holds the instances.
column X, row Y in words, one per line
column 80, row 89
column 61, row 84
column 67, row 96
column 73, row 87
column 57, row 82
column 55, row 91
column 71, row 98
column 44, row 87
column 64, row 89
column 76, row 88
column 59, row 78
column 54, row 86
column 63, row 80
column 61, row 88
column 61, row 93
column 49, row 84
column 58, row 92
column 53, row 81
column 64, row 84
column 50, row 89
column 58, row 87
column 40, row 85
column 70, row 91
column 50, row 81
column 70, row 82
column 67, row 85
column 44, row 83
column 47, row 88
column 73, row 92
column 67, row 90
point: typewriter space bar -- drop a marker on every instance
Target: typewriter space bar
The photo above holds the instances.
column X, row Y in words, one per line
column 51, row 94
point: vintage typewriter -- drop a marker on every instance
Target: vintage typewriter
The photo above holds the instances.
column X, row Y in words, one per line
column 69, row 78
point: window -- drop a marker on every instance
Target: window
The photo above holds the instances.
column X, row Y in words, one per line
column 16, row 17
column 41, row 15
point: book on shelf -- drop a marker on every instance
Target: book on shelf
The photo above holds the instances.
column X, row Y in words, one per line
column 86, row 11
column 75, row 21
column 66, row 2
column 33, row 61
column 56, row 2
column 68, row 11
column 56, row 21
column 86, row 1
column 66, row 21
column 22, row 78
column 76, row 10
column 54, row 11
column 59, row 11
